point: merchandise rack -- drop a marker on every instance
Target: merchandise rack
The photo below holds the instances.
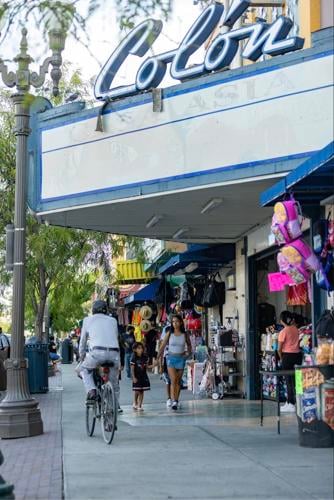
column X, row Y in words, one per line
column 232, row 368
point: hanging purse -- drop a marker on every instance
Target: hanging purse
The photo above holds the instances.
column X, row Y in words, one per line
column 214, row 293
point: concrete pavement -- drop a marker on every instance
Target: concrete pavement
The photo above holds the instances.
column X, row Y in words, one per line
column 34, row 465
column 208, row 450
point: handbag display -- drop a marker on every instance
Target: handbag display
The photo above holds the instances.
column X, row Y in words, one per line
column 215, row 292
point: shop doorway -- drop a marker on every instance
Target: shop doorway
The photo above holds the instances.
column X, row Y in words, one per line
column 264, row 310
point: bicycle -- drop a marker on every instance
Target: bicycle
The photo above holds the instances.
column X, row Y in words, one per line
column 104, row 408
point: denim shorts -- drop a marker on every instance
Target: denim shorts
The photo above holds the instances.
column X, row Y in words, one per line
column 177, row 362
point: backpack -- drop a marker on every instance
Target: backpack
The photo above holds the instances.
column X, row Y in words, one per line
column 298, row 260
column 320, row 235
column 214, row 293
column 199, row 293
column 186, row 296
column 325, row 275
column 323, row 245
column 286, row 221
column 325, row 325
column 164, row 294
column 331, row 234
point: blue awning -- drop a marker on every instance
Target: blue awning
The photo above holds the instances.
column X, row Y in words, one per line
column 311, row 182
column 145, row 294
column 200, row 262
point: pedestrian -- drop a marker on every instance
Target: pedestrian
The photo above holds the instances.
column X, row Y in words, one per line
column 150, row 344
column 128, row 342
column 164, row 369
column 53, row 355
column 178, row 342
column 290, row 355
column 140, row 380
column 4, row 345
column 4, row 354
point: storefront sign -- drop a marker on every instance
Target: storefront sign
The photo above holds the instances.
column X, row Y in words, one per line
column 263, row 39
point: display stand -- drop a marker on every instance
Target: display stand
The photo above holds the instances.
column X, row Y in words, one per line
column 278, row 374
column 231, row 368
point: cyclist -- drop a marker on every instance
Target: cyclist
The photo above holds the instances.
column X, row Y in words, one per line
column 102, row 332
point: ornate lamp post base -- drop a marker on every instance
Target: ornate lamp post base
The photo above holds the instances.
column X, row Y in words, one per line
column 19, row 412
column 22, row 419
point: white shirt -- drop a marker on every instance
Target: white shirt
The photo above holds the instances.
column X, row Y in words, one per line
column 100, row 330
column 177, row 344
column 4, row 342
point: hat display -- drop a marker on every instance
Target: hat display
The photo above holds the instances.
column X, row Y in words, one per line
column 145, row 325
column 146, row 312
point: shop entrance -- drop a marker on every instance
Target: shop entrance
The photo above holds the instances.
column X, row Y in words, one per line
column 264, row 310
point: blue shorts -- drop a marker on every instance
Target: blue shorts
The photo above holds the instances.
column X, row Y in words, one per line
column 177, row 362
column 53, row 356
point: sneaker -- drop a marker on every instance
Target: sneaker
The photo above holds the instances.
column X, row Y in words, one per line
column 174, row 405
column 169, row 403
column 287, row 408
column 120, row 410
column 140, row 408
column 292, row 408
column 91, row 396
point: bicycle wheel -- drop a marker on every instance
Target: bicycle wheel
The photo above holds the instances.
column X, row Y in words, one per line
column 108, row 413
column 91, row 418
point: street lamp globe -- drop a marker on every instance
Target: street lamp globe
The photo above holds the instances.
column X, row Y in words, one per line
column 57, row 19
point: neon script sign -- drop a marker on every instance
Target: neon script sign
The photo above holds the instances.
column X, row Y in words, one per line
column 271, row 39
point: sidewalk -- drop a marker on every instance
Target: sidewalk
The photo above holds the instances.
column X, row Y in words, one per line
column 34, row 465
column 208, row 450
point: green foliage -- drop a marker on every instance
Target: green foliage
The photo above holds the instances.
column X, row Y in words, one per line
column 66, row 12
column 69, row 304
column 130, row 11
column 63, row 265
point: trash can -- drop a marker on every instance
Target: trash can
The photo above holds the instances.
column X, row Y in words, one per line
column 37, row 356
column 67, row 352
column 315, row 405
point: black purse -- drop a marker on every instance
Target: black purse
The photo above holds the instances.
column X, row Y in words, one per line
column 214, row 294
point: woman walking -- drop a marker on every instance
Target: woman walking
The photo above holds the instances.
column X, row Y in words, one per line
column 178, row 342
column 290, row 355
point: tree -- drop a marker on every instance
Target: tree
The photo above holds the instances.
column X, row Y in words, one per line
column 67, row 12
column 62, row 264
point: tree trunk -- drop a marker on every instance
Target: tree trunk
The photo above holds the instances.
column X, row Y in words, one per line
column 43, row 293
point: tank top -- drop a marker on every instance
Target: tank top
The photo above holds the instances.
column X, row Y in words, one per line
column 177, row 344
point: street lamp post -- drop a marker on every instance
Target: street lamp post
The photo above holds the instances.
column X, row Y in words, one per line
column 19, row 412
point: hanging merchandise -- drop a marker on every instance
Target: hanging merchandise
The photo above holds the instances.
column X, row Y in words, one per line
column 305, row 339
column 325, row 325
column 278, row 281
column 164, row 293
column 136, row 318
column 199, row 294
column 193, row 322
column 138, row 334
column 298, row 295
column 145, row 325
column 214, row 293
column 287, row 221
column 146, row 312
column 298, row 260
column 186, row 296
column 323, row 245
